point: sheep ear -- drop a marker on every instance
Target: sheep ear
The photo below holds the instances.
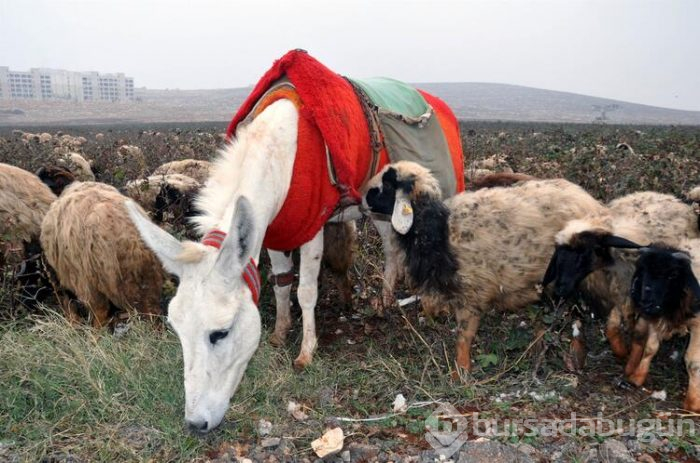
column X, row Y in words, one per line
column 551, row 274
column 613, row 241
column 162, row 243
column 694, row 286
column 681, row 256
column 402, row 217
column 238, row 245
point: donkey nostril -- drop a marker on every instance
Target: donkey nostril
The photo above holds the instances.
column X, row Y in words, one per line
column 197, row 426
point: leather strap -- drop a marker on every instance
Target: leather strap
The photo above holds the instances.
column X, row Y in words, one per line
column 251, row 274
column 282, row 279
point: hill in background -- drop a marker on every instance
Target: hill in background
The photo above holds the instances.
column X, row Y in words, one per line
column 471, row 101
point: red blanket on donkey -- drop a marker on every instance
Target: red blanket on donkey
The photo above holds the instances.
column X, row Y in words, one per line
column 330, row 114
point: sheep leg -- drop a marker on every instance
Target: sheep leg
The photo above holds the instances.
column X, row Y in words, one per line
column 281, row 263
column 650, row 349
column 68, row 306
column 615, row 335
column 577, row 348
column 468, row 324
column 639, row 340
column 391, row 267
column 307, row 293
column 692, row 365
column 99, row 309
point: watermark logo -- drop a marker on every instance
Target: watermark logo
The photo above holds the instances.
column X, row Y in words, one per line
column 446, row 430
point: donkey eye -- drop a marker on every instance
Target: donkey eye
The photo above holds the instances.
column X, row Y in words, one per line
column 216, row 336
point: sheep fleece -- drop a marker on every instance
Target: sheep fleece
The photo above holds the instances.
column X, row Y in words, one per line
column 504, row 238
column 24, row 200
column 97, row 252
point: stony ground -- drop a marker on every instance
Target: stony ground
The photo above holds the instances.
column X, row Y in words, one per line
column 72, row 394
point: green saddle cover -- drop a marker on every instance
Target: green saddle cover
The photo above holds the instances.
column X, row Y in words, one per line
column 393, row 96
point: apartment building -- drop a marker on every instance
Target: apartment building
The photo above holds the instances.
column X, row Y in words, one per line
column 59, row 84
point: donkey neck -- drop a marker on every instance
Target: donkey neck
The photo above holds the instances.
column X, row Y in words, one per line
column 258, row 164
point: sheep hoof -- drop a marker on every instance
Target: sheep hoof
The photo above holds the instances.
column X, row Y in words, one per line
column 692, row 404
column 462, row 375
column 377, row 306
column 302, row 362
column 637, row 379
column 622, row 383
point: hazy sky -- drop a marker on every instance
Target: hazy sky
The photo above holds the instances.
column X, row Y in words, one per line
column 633, row 50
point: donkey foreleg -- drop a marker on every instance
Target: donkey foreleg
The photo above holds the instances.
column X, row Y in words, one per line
column 307, row 294
column 282, row 279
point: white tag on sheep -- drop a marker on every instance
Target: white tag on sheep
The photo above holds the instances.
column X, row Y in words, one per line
column 402, row 217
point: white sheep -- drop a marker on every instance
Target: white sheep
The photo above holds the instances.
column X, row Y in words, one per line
column 193, row 168
column 477, row 251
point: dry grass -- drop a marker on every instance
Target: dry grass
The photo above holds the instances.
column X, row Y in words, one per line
column 73, row 391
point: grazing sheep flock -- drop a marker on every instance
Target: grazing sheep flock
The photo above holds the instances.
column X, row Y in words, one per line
column 636, row 259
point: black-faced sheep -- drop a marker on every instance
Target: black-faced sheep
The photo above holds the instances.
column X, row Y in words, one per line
column 98, row 255
column 477, row 251
column 666, row 298
column 57, row 178
column 598, row 254
column 160, row 194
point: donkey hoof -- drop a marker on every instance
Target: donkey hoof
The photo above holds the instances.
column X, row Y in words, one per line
column 277, row 340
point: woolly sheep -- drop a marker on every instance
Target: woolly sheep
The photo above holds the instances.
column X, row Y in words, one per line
column 98, row 255
column 159, row 193
column 24, row 201
column 665, row 295
column 598, row 253
column 194, row 168
column 477, row 250
column 77, row 164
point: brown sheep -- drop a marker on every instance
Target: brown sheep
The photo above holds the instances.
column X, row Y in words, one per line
column 477, row 251
column 338, row 252
column 665, row 295
column 98, row 255
column 498, row 179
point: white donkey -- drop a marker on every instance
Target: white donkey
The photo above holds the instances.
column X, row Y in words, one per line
column 214, row 311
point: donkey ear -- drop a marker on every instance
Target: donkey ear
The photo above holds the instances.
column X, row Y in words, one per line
column 551, row 274
column 402, row 216
column 238, row 245
column 613, row 241
column 162, row 243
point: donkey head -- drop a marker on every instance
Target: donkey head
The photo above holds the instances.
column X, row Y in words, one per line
column 214, row 312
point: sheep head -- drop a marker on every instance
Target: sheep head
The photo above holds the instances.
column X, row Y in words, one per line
column 581, row 248
column 663, row 279
column 57, row 178
column 396, row 188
